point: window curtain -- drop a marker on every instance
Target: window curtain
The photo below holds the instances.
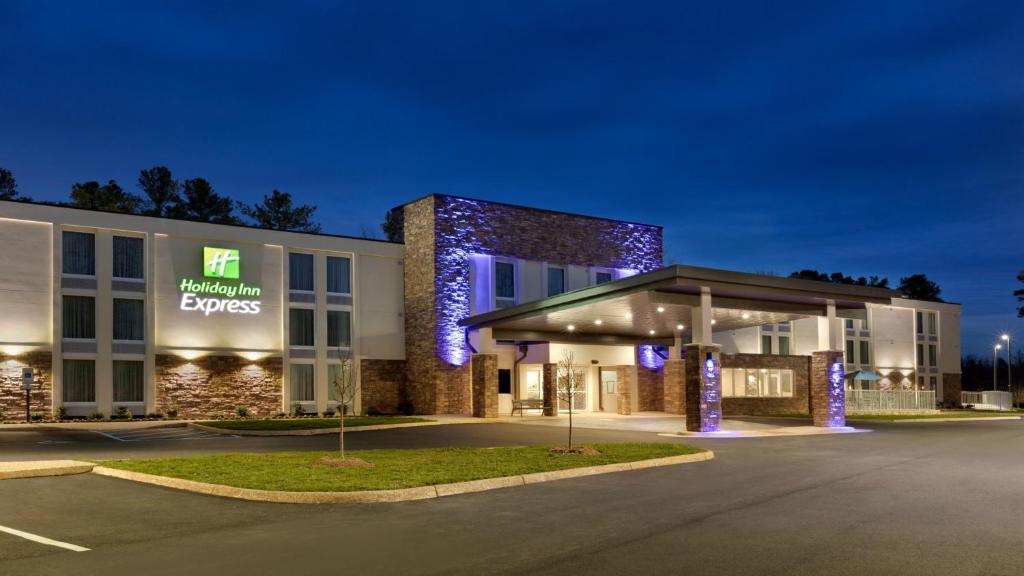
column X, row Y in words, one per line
column 128, row 257
column 128, row 319
column 332, row 374
column 300, row 272
column 302, row 382
column 79, row 253
column 339, row 275
column 128, row 379
column 556, row 281
column 504, row 280
column 79, row 381
column 79, row 318
column 339, row 328
column 300, row 327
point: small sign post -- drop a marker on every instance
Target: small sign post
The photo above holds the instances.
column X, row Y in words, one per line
column 26, row 385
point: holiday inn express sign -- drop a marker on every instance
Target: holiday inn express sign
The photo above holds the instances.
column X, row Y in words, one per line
column 211, row 296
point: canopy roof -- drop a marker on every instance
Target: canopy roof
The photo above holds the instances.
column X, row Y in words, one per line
column 626, row 310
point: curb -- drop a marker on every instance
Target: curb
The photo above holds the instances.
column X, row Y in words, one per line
column 926, row 420
column 316, row 431
column 399, row 495
column 36, row 469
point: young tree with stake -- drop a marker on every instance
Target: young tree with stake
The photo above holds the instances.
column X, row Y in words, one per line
column 344, row 385
column 570, row 382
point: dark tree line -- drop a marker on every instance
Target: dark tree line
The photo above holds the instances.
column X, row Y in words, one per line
column 194, row 199
column 916, row 286
column 976, row 373
column 1019, row 293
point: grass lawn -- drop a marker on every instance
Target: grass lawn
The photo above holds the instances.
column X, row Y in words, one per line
column 391, row 469
column 310, row 423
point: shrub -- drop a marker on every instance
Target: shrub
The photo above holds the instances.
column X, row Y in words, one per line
column 96, row 416
column 37, row 417
column 154, row 415
column 172, row 412
column 374, row 411
column 297, row 409
column 242, row 411
column 62, row 412
column 123, row 413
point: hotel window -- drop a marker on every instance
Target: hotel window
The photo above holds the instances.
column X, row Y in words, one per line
column 504, row 284
column 602, row 277
column 504, row 381
column 766, row 344
column 79, row 317
column 302, row 383
column 129, row 319
column 865, row 352
column 128, row 380
column 79, row 253
column 934, row 383
column 300, row 272
column 756, row 383
column 333, row 373
column 79, row 381
column 339, row 278
column 920, row 354
column 339, row 329
column 849, row 324
column 784, row 345
column 556, row 281
column 300, row 327
column 850, row 359
column 920, row 323
column 932, row 323
column 128, row 257
column 933, row 355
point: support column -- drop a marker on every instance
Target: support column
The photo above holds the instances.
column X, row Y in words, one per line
column 827, row 392
column 702, row 372
column 700, row 318
column 827, row 328
column 549, row 387
column 485, row 385
column 675, row 391
column 624, row 390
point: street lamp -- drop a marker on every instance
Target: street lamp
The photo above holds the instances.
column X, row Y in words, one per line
column 1009, row 366
column 995, row 363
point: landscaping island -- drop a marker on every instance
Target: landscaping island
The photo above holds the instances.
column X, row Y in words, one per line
column 389, row 469
column 283, row 424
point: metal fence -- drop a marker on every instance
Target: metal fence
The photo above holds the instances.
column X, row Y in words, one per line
column 881, row 401
column 988, row 400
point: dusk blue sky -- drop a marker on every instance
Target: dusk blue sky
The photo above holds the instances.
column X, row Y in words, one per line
column 870, row 138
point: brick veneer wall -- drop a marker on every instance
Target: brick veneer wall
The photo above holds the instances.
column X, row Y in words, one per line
column 798, row 404
column 485, row 385
column 381, row 384
column 822, row 397
column 650, row 389
column 703, row 392
column 217, row 385
column 951, row 388
column 549, row 388
column 440, row 234
column 674, row 400
column 12, row 397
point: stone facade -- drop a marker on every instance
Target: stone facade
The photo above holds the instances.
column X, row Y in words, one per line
column 217, row 385
column 798, row 404
column 624, row 389
column 485, row 385
column 650, row 389
column 12, row 397
column 674, row 391
column 549, row 387
column 827, row 398
column 382, row 384
column 951, row 388
column 440, row 234
column 703, row 388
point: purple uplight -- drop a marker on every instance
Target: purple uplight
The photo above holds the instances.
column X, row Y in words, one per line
column 836, row 394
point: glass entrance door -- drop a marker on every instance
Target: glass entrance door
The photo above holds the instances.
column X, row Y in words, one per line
column 609, row 390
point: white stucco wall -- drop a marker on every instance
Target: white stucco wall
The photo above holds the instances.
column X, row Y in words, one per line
column 26, row 298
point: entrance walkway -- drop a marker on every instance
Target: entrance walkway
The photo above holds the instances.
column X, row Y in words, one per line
column 662, row 423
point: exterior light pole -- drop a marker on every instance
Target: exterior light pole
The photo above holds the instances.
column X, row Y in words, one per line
column 1009, row 366
column 995, row 364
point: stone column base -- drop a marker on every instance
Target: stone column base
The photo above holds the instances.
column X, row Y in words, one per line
column 549, row 387
column 828, row 389
column 702, row 379
column 675, row 391
column 623, row 390
column 485, row 385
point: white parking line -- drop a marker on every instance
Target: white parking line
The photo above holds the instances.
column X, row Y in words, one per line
column 43, row 540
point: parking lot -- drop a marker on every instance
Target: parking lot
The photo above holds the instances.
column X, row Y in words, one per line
column 907, row 499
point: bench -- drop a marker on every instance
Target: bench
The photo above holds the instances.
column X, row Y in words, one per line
column 526, row 404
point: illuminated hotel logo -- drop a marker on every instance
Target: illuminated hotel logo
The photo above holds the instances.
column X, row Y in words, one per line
column 211, row 296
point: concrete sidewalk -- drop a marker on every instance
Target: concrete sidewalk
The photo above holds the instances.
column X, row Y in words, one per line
column 36, row 468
